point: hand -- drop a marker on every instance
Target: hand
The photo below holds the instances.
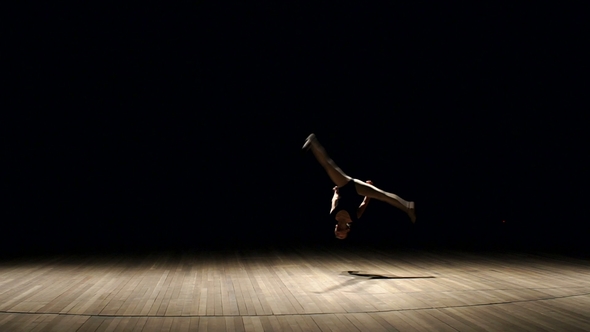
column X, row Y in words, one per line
column 335, row 189
column 369, row 182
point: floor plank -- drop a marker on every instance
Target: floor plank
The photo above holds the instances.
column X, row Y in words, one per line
column 91, row 324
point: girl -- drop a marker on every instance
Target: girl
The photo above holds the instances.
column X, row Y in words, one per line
column 344, row 205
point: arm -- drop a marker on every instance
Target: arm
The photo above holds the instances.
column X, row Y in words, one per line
column 334, row 198
column 363, row 206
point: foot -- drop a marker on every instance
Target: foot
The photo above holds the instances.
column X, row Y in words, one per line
column 308, row 141
column 412, row 212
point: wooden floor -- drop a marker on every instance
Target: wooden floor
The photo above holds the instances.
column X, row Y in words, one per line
column 297, row 290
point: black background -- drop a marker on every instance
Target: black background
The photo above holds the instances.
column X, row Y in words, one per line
column 180, row 126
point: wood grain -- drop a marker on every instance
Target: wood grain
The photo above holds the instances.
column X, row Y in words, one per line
column 297, row 289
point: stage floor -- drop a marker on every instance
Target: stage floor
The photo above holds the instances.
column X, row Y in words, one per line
column 299, row 289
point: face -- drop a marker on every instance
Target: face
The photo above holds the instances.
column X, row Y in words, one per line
column 341, row 231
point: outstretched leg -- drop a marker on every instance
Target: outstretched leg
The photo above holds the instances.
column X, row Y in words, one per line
column 336, row 174
column 366, row 189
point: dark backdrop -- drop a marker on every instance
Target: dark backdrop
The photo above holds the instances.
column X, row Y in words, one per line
column 181, row 126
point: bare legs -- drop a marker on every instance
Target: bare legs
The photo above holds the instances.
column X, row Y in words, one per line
column 334, row 172
column 364, row 189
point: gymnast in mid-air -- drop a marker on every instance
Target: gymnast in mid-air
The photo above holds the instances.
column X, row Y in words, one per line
column 345, row 208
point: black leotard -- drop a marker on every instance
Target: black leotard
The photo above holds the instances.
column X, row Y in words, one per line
column 348, row 200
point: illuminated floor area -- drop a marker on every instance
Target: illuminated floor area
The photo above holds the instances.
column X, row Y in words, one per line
column 296, row 290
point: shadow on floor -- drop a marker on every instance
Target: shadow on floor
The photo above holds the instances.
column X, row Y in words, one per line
column 369, row 275
column 364, row 276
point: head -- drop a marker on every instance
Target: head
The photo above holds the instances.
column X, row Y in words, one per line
column 341, row 230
